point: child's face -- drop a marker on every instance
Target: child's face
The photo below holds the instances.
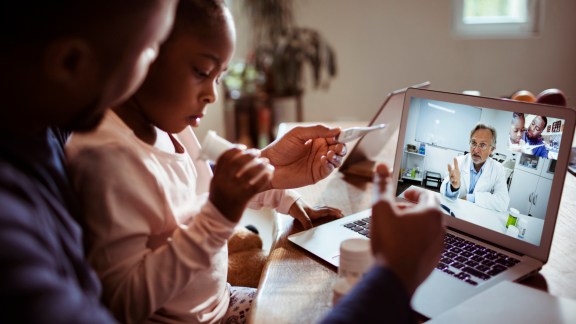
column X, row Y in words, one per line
column 185, row 78
column 516, row 129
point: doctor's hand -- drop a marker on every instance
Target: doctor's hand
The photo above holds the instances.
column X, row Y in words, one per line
column 304, row 156
column 407, row 238
column 454, row 174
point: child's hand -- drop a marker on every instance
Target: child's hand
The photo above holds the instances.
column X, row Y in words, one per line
column 238, row 176
column 305, row 213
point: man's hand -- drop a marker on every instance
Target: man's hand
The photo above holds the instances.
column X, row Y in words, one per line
column 454, row 174
column 304, row 156
column 406, row 237
column 305, row 213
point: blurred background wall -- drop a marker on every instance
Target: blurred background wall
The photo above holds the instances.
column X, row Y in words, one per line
column 383, row 45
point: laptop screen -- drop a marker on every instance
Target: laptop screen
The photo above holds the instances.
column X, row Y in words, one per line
column 490, row 167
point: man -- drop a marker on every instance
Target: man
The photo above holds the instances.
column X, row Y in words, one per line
column 406, row 240
column 534, row 143
column 61, row 69
column 476, row 177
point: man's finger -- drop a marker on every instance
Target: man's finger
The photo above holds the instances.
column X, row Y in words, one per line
column 382, row 183
column 312, row 132
column 456, row 165
column 422, row 199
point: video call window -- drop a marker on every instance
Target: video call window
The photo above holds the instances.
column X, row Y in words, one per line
column 535, row 135
column 519, row 168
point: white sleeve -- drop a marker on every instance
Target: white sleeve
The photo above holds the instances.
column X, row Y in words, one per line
column 122, row 205
column 279, row 199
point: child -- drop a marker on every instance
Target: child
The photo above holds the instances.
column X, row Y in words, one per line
column 60, row 71
column 156, row 220
column 516, row 131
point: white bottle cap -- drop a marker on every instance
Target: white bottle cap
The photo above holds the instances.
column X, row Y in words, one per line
column 512, row 231
column 355, row 258
column 213, row 146
column 514, row 212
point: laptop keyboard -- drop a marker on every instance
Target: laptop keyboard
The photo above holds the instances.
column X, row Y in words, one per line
column 471, row 262
column 465, row 260
column 361, row 226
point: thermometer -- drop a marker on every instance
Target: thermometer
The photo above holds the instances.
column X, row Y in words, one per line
column 350, row 134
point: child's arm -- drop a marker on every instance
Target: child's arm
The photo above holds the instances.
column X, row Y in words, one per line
column 291, row 203
column 141, row 255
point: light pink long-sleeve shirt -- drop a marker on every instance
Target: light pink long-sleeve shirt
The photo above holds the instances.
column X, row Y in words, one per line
column 156, row 241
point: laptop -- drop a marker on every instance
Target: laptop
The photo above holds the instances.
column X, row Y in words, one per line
column 371, row 148
column 442, row 121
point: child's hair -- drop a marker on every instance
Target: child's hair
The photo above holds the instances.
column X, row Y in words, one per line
column 37, row 21
column 517, row 115
column 199, row 17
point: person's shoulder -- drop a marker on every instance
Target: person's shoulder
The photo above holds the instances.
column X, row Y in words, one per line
column 108, row 158
column 111, row 132
column 19, row 195
column 111, row 142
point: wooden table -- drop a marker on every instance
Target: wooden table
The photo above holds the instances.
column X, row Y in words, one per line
column 296, row 287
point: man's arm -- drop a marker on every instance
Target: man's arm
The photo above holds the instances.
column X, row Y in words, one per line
column 39, row 279
column 380, row 297
column 451, row 185
column 406, row 241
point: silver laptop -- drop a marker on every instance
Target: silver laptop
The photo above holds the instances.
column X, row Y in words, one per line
column 486, row 250
column 371, row 148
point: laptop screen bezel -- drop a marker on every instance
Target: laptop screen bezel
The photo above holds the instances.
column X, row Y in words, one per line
column 542, row 251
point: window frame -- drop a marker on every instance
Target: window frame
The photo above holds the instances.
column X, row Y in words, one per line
column 530, row 28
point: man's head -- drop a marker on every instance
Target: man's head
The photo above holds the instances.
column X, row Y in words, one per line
column 482, row 143
column 64, row 62
column 517, row 127
column 536, row 127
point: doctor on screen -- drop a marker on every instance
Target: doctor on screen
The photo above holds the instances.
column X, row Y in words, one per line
column 476, row 177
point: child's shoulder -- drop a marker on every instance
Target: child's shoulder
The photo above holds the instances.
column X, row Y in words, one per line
column 111, row 133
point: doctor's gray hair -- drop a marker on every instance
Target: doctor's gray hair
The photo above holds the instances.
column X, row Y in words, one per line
column 484, row 126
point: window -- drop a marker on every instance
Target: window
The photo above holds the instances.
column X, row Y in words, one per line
column 497, row 18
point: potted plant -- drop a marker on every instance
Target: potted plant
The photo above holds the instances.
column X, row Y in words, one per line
column 282, row 51
column 258, row 88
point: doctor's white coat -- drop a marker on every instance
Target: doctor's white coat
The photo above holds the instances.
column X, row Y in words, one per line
column 491, row 190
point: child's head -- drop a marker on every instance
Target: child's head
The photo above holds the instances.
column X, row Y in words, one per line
column 516, row 127
column 185, row 77
column 64, row 61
